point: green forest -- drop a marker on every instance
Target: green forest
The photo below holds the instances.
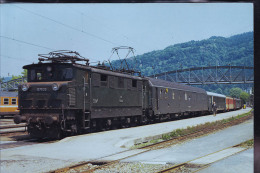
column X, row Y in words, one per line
column 234, row 50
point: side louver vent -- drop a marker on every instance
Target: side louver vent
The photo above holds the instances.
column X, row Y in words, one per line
column 72, row 97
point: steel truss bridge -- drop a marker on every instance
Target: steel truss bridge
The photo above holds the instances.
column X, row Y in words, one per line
column 210, row 75
column 12, row 84
column 190, row 76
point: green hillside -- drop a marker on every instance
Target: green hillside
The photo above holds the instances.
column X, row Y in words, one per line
column 237, row 50
column 234, row 50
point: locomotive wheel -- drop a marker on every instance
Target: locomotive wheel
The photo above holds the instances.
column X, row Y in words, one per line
column 115, row 124
column 94, row 125
column 106, row 124
column 133, row 121
column 59, row 135
column 123, row 122
column 144, row 119
column 127, row 122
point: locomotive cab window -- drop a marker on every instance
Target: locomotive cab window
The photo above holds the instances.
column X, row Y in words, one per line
column 13, row 101
column 6, row 101
column 67, row 74
column 39, row 75
column 48, row 73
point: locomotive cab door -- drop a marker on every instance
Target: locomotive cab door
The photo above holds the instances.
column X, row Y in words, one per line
column 87, row 89
column 86, row 101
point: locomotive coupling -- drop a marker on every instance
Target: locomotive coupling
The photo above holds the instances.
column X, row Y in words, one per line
column 18, row 119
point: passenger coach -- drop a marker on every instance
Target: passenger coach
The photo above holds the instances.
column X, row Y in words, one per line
column 219, row 99
column 8, row 103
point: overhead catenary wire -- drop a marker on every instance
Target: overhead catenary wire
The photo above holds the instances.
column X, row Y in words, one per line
column 58, row 22
column 66, row 25
column 21, row 41
column 15, row 58
column 98, row 21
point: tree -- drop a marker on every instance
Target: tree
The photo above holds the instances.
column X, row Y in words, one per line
column 219, row 90
column 244, row 96
column 24, row 73
column 16, row 77
column 235, row 92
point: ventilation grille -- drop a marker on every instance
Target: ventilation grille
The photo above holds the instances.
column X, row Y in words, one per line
column 72, row 96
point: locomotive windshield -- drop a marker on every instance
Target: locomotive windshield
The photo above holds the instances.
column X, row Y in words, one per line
column 49, row 73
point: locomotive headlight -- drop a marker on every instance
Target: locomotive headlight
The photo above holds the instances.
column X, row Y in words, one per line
column 55, row 87
column 49, row 68
column 25, row 87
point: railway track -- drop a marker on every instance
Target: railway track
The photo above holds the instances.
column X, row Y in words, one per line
column 13, row 135
column 13, row 144
column 7, row 126
column 102, row 163
column 195, row 164
column 12, row 130
column 23, row 140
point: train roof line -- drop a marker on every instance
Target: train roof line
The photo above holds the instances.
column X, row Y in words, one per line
column 216, row 94
column 8, row 94
column 173, row 85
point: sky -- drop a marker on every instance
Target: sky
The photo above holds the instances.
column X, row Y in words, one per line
column 92, row 30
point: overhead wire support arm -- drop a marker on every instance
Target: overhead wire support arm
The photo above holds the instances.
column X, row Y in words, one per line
column 123, row 68
column 62, row 56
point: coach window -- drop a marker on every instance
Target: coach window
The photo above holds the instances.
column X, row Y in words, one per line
column 161, row 93
column 165, row 93
column 14, row 101
column 6, row 101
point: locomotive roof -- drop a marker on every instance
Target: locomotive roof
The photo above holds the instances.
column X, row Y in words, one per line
column 40, row 64
column 215, row 94
column 174, row 85
column 91, row 68
column 8, row 94
column 107, row 72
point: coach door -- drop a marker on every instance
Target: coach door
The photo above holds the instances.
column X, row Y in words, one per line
column 157, row 98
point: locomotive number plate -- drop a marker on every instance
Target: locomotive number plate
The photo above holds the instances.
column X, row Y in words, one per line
column 41, row 89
